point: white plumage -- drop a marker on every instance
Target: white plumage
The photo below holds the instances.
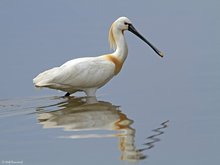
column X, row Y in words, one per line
column 90, row 73
column 81, row 74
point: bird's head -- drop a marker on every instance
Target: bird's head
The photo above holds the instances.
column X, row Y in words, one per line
column 122, row 24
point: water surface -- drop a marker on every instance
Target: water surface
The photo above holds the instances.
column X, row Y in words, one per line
column 56, row 124
column 156, row 111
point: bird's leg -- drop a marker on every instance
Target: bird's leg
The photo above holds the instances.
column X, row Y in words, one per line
column 90, row 92
column 67, row 94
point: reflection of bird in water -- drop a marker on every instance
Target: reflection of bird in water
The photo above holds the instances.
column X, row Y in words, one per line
column 75, row 114
column 154, row 138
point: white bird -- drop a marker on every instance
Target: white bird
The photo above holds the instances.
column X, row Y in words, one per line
column 90, row 73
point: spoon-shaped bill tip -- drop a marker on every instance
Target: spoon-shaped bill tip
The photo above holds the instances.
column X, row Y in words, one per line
column 161, row 54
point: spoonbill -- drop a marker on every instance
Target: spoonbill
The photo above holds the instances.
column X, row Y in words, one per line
column 88, row 74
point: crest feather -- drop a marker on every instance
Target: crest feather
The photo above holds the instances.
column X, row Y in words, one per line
column 111, row 38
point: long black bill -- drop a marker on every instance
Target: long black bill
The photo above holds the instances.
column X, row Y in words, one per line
column 133, row 30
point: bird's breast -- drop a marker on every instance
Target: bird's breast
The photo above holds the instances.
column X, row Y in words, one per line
column 117, row 62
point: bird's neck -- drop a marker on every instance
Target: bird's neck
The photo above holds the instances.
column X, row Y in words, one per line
column 121, row 51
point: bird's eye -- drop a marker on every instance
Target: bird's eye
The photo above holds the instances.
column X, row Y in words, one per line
column 126, row 23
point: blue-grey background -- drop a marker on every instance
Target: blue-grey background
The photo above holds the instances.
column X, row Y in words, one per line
column 182, row 87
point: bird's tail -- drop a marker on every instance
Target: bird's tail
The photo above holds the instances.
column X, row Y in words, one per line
column 44, row 78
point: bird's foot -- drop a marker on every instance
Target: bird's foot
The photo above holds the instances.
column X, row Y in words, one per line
column 67, row 94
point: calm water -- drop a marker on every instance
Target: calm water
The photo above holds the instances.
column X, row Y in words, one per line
column 156, row 111
column 76, row 130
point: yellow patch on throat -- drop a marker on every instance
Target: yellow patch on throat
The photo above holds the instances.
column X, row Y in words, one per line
column 118, row 63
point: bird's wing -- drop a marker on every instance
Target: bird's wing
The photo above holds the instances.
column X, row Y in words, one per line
column 83, row 72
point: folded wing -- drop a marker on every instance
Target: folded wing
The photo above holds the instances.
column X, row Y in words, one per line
column 77, row 74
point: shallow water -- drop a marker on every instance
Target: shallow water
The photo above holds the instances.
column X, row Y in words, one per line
column 75, row 128
column 79, row 130
column 155, row 111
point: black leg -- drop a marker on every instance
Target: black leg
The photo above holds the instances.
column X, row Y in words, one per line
column 67, row 94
